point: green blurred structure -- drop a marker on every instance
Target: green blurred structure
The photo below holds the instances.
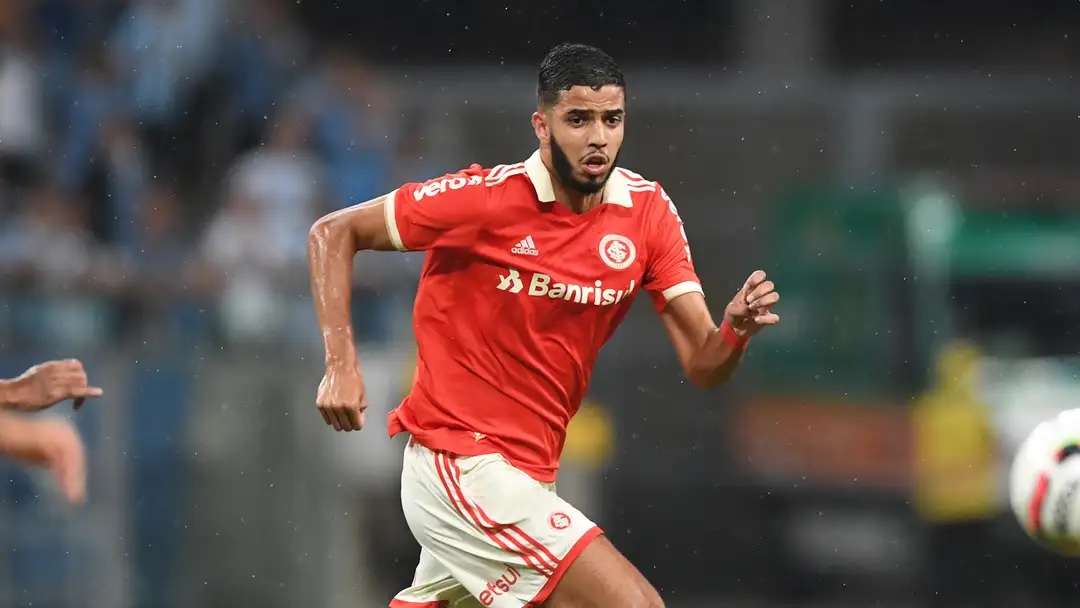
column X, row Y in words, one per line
column 867, row 276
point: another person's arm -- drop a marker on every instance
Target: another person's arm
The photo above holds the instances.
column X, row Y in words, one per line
column 47, row 442
column 444, row 212
column 47, row 384
column 709, row 354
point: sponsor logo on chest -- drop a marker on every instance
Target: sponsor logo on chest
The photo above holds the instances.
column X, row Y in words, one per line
column 540, row 285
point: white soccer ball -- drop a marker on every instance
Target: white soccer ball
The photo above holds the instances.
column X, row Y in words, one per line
column 1044, row 485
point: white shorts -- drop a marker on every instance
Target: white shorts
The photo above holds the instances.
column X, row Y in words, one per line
column 490, row 535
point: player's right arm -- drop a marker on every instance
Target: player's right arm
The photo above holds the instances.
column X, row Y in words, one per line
column 441, row 213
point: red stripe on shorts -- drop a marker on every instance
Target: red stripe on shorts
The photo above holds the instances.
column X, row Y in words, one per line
column 396, row 603
column 495, row 532
column 492, row 528
column 551, row 559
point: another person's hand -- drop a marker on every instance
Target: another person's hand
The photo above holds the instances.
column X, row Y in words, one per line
column 52, row 443
column 49, row 383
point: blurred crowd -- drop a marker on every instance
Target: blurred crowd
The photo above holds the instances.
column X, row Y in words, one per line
column 162, row 160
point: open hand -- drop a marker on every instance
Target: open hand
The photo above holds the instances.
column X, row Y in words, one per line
column 751, row 308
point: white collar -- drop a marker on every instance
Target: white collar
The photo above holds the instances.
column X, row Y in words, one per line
column 615, row 190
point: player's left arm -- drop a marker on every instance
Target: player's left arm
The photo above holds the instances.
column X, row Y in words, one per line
column 709, row 354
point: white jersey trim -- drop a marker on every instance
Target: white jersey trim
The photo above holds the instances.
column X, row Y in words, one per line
column 616, row 191
column 681, row 289
column 391, row 221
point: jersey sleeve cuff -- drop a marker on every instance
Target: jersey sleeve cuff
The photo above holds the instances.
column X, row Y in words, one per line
column 681, row 289
column 390, row 215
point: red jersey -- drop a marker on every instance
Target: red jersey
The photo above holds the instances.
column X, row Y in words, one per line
column 516, row 298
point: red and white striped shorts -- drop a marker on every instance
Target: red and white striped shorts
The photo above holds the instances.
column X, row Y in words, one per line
column 490, row 535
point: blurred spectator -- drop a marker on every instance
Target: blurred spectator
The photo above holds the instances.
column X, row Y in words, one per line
column 101, row 155
column 116, row 182
column 91, row 97
column 22, row 129
column 956, row 490
column 68, row 30
column 262, row 52
column 55, row 273
column 162, row 244
column 284, row 179
column 163, row 49
column 254, row 277
column 420, row 149
column 354, row 127
column 49, row 245
column 161, row 306
column 255, row 252
column 67, row 27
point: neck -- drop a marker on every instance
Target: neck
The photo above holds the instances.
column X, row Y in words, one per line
column 569, row 197
column 576, row 201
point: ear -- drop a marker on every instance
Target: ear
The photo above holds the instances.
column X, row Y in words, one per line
column 540, row 126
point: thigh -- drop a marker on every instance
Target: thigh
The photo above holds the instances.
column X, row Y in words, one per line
column 602, row 577
column 501, row 535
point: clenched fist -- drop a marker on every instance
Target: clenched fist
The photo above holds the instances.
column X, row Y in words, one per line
column 751, row 308
column 49, row 383
column 342, row 398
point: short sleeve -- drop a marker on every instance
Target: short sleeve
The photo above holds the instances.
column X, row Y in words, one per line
column 444, row 212
column 670, row 269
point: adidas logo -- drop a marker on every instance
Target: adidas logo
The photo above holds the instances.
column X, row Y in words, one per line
column 525, row 246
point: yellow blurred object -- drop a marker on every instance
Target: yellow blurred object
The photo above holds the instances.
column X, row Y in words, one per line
column 589, row 437
column 956, row 473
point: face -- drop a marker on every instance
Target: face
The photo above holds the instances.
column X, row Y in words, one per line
column 584, row 132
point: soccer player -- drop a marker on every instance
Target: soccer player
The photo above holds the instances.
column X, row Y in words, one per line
column 530, row 268
column 50, row 442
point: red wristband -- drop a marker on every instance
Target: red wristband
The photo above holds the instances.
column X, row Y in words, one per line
column 733, row 339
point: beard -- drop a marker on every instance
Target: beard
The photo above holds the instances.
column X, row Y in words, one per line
column 564, row 170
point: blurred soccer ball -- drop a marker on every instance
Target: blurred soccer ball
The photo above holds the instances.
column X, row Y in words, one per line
column 1044, row 485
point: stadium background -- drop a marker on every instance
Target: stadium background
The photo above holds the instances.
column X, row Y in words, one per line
column 907, row 171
